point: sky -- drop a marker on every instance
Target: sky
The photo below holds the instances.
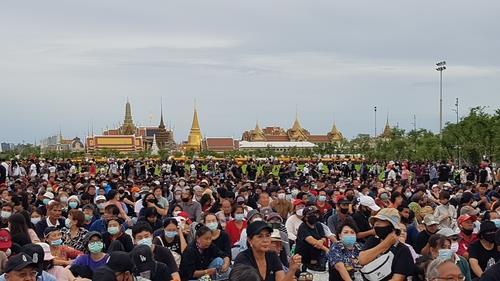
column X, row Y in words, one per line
column 71, row 65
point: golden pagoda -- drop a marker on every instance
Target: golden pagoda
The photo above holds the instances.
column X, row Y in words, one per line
column 128, row 127
column 296, row 133
column 257, row 133
column 387, row 133
column 335, row 135
column 194, row 137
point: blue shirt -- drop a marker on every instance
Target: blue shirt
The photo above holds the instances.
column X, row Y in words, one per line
column 45, row 277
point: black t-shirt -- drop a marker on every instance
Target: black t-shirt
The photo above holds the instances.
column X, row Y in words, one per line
column 164, row 255
column 193, row 259
column 159, row 272
column 403, row 261
column 422, row 239
column 362, row 223
column 492, row 274
column 483, row 256
column 307, row 251
column 224, row 243
column 443, row 172
column 174, row 246
column 272, row 261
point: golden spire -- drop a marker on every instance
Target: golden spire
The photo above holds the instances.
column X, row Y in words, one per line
column 387, row 133
column 194, row 137
column 162, row 125
column 296, row 133
column 257, row 133
column 335, row 134
column 128, row 127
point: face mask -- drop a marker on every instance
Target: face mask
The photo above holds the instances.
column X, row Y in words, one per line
column 490, row 237
column 497, row 222
column 384, row 196
column 445, row 254
column 322, row 198
column 182, row 183
column 176, row 213
column 350, row 197
column 100, row 205
column 170, row 234
column 35, row 220
column 288, row 197
column 295, row 192
column 96, row 247
column 275, row 225
column 67, row 222
column 113, row 230
column 5, row 214
column 467, row 232
column 177, row 198
column 281, row 196
column 213, row 226
column 64, row 199
column 73, row 204
column 185, row 200
column 88, row 217
column 454, row 247
column 344, row 211
column 57, row 242
column 408, row 194
column 239, row 217
column 312, row 219
column 8, row 252
column 46, row 201
column 383, row 232
column 349, row 240
column 146, row 241
column 299, row 212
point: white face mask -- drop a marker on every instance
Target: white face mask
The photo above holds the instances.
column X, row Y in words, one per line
column 281, row 196
column 454, row 247
column 35, row 220
column 299, row 212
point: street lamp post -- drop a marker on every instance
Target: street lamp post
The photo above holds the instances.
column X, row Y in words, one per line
column 375, row 133
column 440, row 67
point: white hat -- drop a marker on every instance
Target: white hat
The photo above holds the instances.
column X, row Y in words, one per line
column 368, row 201
column 100, row 197
column 448, row 232
column 276, row 236
column 49, row 195
column 46, row 250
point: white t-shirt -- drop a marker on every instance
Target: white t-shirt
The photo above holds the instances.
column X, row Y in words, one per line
column 33, row 171
column 292, row 226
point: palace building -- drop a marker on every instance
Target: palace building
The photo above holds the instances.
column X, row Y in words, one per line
column 129, row 138
column 295, row 134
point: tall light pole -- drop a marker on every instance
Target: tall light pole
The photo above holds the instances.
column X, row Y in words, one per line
column 440, row 67
column 456, row 108
column 458, row 144
column 375, row 133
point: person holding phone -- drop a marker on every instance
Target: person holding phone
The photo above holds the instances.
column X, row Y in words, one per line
column 394, row 258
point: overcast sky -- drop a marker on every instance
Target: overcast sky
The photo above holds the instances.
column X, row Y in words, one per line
column 68, row 64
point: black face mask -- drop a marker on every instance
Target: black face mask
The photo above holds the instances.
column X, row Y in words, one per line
column 344, row 211
column 312, row 219
column 275, row 225
column 467, row 232
column 404, row 220
column 185, row 200
column 490, row 237
column 350, row 197
column 384, row 231
column 367, row 212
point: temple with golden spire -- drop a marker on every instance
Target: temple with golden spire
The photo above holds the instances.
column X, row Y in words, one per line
column 295, row 134
column 387, row 133
column 128, row 127
column 194, row 138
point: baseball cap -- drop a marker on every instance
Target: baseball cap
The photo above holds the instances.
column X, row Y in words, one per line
column 144, row 189
column 256, row 227
column 142, row 257
column 276, row 236
column 487, row 226
column 252, row 214
column 387, row 214
column 49, row 230
column 297, row 202
column 49, row 195
column 309, row 210
column 368, row 201
column 5, row 239
column 273, row 215
column 448, row 232
column 469, row 210
column 119, row 261
column 18, row 262
column 430, row 219
column 35, row 251
column 466, row 217
column 100, row 197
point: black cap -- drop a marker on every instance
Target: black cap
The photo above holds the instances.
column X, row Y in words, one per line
column 256, row 227
column 142, row 257
column 487, row 226
column 35, row 251
column 18, row 262
column 119, row 261
column 104, row 273
column 91, row 234
column 309, row 210
column 50, row 229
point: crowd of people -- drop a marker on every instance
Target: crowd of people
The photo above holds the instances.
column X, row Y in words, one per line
column 261, row 220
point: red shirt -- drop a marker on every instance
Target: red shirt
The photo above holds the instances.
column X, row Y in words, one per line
column 464, row 243
column 234, row 232
column 322, row 210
